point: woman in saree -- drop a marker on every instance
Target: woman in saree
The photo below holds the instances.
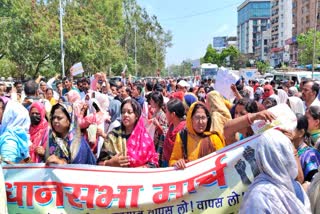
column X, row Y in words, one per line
column 129, row 145
column 66, row 145
column 196, row 140
column 38, row 131
column 14, row 132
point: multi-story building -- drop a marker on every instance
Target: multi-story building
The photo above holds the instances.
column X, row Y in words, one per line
column 281, row 30
column 253, row 17
column 304, row 18
column 263, row 45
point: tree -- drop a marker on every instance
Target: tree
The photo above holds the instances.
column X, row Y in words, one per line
column 305, row 47
column 262, row 66
column 99, row 33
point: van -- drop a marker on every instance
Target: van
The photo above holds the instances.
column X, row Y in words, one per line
column 295, row 76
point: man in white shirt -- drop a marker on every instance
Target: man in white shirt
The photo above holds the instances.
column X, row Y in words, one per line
column 310, row 91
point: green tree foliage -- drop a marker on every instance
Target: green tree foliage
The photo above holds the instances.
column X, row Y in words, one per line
column 305, row 45
column 99, row 33
column 228, row 57
column 262, row 66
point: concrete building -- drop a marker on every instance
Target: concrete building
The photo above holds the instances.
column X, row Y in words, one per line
column 263, row 45
column 304, row 18
column 281, row 30
column 253, row 18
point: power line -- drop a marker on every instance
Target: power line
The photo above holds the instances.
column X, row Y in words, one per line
column 201, row 13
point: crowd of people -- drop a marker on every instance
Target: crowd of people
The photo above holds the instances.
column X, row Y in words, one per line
column 167, row 122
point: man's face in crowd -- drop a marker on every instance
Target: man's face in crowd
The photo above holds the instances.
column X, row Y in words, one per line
column 85, row 86
column 307, row 93
column 114, row 90
column 43, row 87
column 19, row 88
column 67, row 84
column 79, row 85
column 135, row 92
column 123, row 93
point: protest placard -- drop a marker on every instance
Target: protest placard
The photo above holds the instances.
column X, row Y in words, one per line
column 76, row 69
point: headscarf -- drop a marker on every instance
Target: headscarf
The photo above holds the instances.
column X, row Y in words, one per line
column 296, row 105
column 219, row 112
column 179, row 95
column 283, row 96
column 188, row 99
column 314, row 193
column 38, row 133
column 140, row 146
column 73, row 138
column 15, row 127
column 292, row 91
column 274, row 189
column 114, row 110
column 267, row 94
column 73, row 96
column 189, row 120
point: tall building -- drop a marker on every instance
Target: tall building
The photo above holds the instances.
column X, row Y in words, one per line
column 253, row 17
column 304, row 18
column 263, row 45
column 281, row 30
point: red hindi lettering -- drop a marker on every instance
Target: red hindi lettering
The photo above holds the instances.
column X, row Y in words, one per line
column 104, row 199
column 219, row 174
column 163, row 195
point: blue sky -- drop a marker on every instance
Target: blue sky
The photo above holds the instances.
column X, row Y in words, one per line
column 193, row 24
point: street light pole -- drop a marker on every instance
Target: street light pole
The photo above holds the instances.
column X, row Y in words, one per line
column 315, row 38
column 61, row 39
column 135, row 50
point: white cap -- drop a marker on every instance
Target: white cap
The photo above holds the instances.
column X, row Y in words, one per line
column 183, row 83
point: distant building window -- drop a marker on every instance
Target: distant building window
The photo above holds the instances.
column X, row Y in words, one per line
column 265, row 42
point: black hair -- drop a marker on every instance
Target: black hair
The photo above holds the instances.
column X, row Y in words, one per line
column 176, row 106
column 49, row 89
column 62, row 108
column 249, row 105
column 135, row 107
column 66, row 78
column 17, row 83
column 157, row 98
column 315, row 112
column 315, row 87
column 302, row 123
column 200, row 105
column 139, row 87
column 157, row 87
column 149, row 86
column 86, row 80
column 30, row 88
column 272, row 100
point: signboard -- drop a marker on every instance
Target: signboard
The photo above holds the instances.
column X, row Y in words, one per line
column 213, row 184
column 76, row 69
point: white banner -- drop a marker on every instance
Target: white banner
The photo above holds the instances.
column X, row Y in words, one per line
column 213, row 184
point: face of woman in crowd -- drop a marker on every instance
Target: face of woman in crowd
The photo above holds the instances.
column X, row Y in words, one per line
column 240, row 111
column 49, row 94
column 199, row 120
column 128, row 116
column 312, row 123
column 60, row 122
column 153, row 104
column 35, row 116
column 169, row 116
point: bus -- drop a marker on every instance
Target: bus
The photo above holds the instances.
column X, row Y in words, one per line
column 208, row 70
